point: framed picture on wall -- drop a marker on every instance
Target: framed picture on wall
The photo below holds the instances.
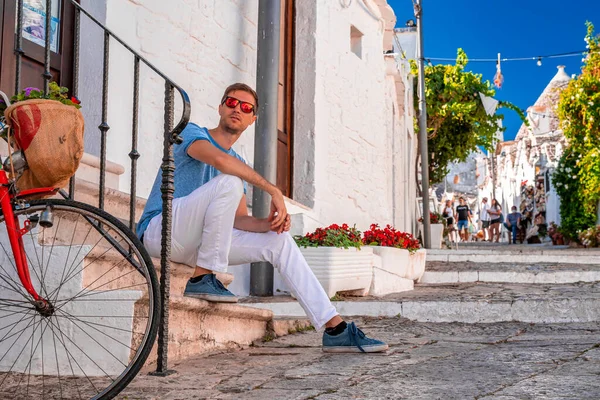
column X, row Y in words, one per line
column 433, row 206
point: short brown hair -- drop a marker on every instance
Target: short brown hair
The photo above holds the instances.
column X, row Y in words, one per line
column 244, row 88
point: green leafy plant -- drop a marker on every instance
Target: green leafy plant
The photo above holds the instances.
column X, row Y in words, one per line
column 574, row 215
column 577, row 177
column 342, row 236
column 55, row 92
column 457, row 122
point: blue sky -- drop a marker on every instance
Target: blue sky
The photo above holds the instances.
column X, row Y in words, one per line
column 484, row 28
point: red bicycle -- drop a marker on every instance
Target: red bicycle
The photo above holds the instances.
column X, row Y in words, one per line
column 79, row 300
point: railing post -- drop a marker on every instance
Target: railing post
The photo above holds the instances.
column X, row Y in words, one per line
column 75, row 88
column 104, row 127
column 19, row 46
column 133, row 154
column 47, row 75
column 167, row 189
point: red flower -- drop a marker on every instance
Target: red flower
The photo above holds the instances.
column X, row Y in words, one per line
column 75, row 100
column 390, row 237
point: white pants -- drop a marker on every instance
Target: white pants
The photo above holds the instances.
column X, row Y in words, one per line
column 203, row 235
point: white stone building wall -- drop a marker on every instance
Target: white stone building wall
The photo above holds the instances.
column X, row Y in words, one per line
column 202, row 45
column 346, row 110
column 354, row 146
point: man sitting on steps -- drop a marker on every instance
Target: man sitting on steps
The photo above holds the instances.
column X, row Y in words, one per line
column 211, row 228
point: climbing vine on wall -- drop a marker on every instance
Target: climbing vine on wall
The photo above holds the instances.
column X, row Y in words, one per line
column 579, row 114
column 457, row 122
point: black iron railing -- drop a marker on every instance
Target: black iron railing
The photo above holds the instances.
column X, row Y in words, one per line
column 171, row 136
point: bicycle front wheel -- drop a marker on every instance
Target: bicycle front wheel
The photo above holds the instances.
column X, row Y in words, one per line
column 103, row 305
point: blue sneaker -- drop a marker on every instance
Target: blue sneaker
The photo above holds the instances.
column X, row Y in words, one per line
column 210, row 289
column 352, row 340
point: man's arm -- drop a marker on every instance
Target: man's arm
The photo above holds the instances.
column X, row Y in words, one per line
column 204, row 151
column 245, row 222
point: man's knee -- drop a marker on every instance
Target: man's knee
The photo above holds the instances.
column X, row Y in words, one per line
column 279, row 242
column 231, row 183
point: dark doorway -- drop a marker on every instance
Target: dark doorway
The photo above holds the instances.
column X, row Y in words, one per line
column 32, row 64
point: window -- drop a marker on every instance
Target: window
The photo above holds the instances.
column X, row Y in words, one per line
column 356, row 41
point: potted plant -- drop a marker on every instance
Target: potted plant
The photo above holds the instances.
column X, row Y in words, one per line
column 556, row 235
column 401, row 259
column 48, row 131
column 437, row 224
column 336, row 258
column 590, row 237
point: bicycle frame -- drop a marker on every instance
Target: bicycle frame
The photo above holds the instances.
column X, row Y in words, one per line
column 15, row 233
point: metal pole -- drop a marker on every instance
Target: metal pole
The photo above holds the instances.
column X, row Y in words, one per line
column 423, row 127
column 265, row 139
column 493, row 174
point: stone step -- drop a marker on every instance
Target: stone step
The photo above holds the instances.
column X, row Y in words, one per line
column 517, row 255
column 198, row 326
column 195, row 326
column 443, row 272
column 469, row 303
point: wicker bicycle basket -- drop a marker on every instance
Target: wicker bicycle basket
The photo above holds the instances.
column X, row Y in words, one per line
column 50, row 134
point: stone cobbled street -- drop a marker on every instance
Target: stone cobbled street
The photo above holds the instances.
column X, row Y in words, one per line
column 486, row 322
column 498, row 361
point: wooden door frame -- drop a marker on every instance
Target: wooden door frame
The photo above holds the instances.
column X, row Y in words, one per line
column 63, row 60
column 288, row 81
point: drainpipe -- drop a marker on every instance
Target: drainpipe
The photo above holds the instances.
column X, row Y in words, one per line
column 265, row 139
column 423, row 127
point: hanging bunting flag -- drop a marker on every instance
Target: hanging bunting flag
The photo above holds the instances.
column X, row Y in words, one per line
column 498, row 78
column 489, row 103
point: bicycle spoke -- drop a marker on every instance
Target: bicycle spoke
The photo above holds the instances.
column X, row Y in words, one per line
column 43, row 374
column 29, row 374
column 104, row 284
column 85, row 354
column 69, row 317
column 94, row 339
column 69, row 253
column 95, row 293
column 11, row 303
column 67, row 277
column 68, row 354
column 75, row 273
column 45, row 269
column 16, row 287
column 21, row 352
column 57, row 363
column 106, row 326
column 32, row 265
column 13, row 327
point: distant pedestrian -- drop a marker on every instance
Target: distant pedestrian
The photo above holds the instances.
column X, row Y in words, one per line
column 495, row 212
column 464, row 218
column 448, row 214
column 485, row 219
column 513, row 221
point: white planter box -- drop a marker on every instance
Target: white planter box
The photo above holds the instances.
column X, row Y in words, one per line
column 341, row 269
column 385, row 282
column 401, row 262
column 437, row 235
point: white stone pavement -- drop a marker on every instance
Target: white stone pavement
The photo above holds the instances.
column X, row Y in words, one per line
column 426, row 361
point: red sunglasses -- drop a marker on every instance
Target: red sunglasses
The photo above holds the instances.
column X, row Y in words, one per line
column 232, row 102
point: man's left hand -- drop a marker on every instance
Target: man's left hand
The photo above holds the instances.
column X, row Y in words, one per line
column 284, row 227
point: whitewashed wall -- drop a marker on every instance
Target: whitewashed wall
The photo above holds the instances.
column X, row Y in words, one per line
column 343, row 134
column 203, row 45
column 349, row 128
